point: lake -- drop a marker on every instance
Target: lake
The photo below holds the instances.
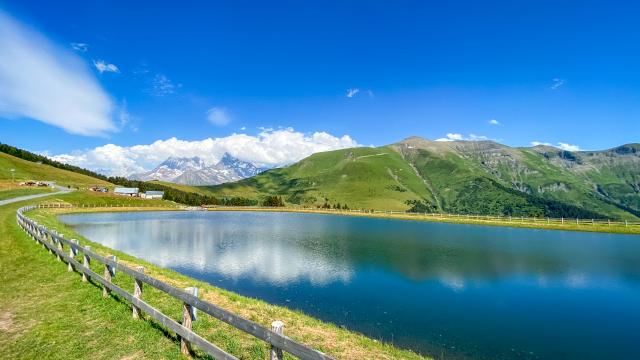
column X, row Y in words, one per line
column 445, row 290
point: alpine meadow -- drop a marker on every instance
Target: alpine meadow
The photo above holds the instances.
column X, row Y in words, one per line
column 463, row 177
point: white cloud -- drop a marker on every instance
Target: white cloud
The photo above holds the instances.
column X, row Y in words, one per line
column 268, row 148
column 459, row 137
column 218, row 116
column 45, row 82
column 568, row 147
column 82, row 47
column 557, row 83
column 494, row 122
column 162, row 85
column 451, row 137
column 560, row 145
column 352, row 92
column 537, row 143
column 103, row 66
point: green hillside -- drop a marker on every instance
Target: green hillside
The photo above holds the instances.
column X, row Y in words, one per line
column 359, row 177
column 28, row 170
column 480, row 177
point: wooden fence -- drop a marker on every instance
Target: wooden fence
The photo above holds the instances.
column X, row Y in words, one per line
column 56, row 244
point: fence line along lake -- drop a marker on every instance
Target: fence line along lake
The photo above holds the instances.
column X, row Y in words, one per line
column 445, row 290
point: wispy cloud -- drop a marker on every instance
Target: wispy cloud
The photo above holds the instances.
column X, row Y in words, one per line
column 557, row 82
column 352, row 92
column 538, row 143
column 161, row 85
column 218, row 116
column 45, row 82
column 82, row 47
column 460, row 137
column 494, row 122
column 559, row 145
column 451, row 137
column 568, row 147
column 268, row 148
column 103, row 66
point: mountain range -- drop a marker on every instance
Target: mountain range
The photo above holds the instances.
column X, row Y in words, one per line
column 467, row 177
column 194, row 171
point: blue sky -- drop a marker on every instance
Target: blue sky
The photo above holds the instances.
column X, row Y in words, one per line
column 553, row 72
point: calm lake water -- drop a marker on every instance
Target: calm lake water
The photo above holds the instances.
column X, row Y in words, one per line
column 446, row 290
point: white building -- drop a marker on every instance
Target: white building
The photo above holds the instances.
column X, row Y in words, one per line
column 153, row 195
column 126, row 191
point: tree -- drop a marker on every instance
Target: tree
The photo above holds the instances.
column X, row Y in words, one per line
column 273, row 201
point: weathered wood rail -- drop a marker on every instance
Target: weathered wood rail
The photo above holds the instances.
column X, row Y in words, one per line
column 56, row 243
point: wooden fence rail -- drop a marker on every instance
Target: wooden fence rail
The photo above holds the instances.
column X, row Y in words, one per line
column 55, row 243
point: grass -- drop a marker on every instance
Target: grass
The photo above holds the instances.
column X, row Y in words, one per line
column 46, row 310
column 12, row 193
column 27, row 170
column 360, row 177
column 187, row 188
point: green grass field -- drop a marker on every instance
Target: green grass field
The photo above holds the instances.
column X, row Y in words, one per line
column 12, row 193
column 44, row 309
column 27, row 170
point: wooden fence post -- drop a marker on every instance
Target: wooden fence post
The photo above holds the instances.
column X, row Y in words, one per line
column 60, row 247
column 278, row 328
column 188, row 316
column 108, row 273
column 72, row 253
column 137, row 292
column 86, row 261
column 52, row 240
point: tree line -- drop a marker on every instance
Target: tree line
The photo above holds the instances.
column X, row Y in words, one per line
column 171, row 194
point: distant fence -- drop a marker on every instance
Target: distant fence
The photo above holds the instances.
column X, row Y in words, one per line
column 447, row 216
column 56, row 243
column 61, row 205
column 424, row 215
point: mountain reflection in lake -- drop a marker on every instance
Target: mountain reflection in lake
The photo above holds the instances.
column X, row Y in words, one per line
column 461, row 291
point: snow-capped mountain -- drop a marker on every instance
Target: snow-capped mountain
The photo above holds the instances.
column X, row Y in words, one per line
column 242, row 168
column 194, row 171
column 171, row 168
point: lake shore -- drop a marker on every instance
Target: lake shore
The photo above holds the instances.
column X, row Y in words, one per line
column 531, row 223
column 516, row 222
column 125, row 337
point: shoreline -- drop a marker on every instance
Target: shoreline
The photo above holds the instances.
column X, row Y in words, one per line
column 526, row 223
column 322, row 335
column 541, row 224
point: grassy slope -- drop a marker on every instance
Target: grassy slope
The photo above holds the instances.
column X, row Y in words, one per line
column 479, row 178
column 12, row 193
column 187, row 188
column 46, row 310
column 27, row 170
column 361, row 178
